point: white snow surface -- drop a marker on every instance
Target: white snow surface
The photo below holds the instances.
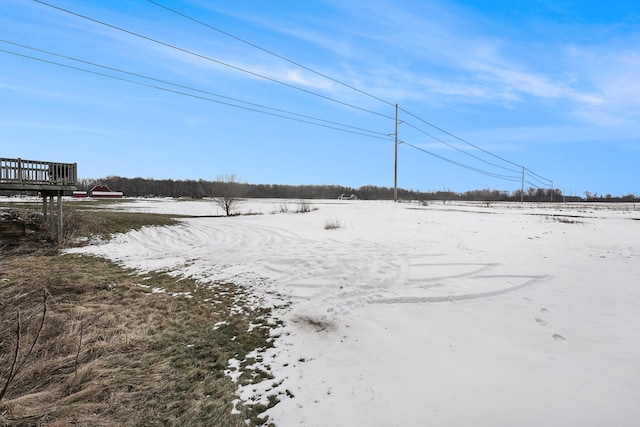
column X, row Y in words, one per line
column 439, row 315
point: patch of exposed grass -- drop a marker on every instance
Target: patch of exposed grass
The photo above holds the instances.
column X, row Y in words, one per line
column 305, row 207
column 332, row 224
column 302, row 206
column 107, row 223
column 122, row 348
column 566, row 219
column 84, row 220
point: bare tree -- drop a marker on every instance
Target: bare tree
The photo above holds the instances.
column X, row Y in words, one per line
column 229, row 192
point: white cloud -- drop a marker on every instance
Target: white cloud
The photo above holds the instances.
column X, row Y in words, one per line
column 436, row 52
column 612, row 74
column 519, row 137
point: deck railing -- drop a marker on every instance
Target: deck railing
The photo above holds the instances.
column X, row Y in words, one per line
column 33, row 172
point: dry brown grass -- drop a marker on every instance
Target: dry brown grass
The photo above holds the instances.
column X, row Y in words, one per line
column 332, row 224
column 84, row 219
column 111, row 352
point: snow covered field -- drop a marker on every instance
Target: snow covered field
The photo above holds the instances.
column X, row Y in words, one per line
column 439, row 315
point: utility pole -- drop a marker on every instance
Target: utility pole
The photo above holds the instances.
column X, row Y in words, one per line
column 395, row 167
column 522, row 189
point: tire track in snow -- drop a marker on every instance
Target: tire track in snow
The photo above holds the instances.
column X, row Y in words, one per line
column 325, row 271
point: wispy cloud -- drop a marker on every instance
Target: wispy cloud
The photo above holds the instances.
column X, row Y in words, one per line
column 614, row 73
column 54, row 126
column 517, row 138
column 435, row 51
column 456, row 58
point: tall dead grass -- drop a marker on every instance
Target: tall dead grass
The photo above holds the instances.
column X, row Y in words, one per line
column 112, row 352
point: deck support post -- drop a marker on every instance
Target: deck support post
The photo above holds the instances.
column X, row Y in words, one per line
column 52, row 230
column 60, row 229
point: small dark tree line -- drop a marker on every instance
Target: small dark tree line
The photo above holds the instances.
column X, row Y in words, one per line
column 148, row 187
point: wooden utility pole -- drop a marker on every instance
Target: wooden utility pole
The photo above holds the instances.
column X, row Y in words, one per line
column 522, row 189
column 395, row 168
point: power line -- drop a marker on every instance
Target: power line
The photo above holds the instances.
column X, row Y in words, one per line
column 269, row 52
column 460, row 150
column 235, row 67
column 548, row 181
column 254, row 45
column 504, row 177
column 545, row 183
column 190, row 88
column 293, row 87
column 386, row 138
column 542, row 179
column 460, row 139
column 465, row 166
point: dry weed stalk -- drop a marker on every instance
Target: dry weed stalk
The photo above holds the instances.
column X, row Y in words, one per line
column 75, row 362
column 15, row 358
column 13, row 371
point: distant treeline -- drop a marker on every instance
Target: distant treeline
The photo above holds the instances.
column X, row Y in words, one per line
column 145, row 187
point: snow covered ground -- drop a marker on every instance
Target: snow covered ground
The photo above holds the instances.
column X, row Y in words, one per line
column 439, row 315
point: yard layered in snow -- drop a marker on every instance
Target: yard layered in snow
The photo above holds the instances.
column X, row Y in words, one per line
column 454, row 314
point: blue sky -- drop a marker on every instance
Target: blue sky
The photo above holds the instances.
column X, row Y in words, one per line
column 553, row 86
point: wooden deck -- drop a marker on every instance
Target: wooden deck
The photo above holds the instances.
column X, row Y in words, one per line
column 34, row 175
column 50, row 179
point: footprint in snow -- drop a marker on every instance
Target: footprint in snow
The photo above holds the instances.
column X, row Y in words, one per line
column 558, row 337
column 541, row 322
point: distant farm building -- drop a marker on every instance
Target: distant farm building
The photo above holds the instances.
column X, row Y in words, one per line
column 348, row 197
column 99, row 192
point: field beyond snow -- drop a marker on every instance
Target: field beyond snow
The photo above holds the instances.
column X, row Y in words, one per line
column 403, row 314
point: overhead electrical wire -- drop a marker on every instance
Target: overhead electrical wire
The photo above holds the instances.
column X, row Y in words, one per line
column 540, row 179
column 460, row 139
column 268, row 51
column 189, row 94
column 459, row 149
column 100, row 74
column 462, row 165
column 545, row 183
column 372, row 134
column 190, row 88
column 235, row 67
column 214, row 28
